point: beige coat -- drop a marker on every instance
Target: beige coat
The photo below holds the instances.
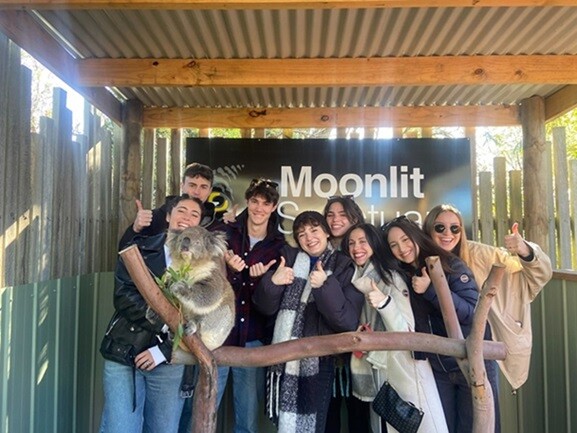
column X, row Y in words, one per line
column 510, row 314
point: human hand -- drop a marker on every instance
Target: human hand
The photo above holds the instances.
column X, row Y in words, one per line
column 420, row 284
column 145, row 361
column 318, row 276
column 283, row 274
column 143, row 218
column 234, row 261
column 259, row 269
column 516, row 244
column 230, row 215
column 375, row 296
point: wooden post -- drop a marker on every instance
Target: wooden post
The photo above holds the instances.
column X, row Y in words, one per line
column 130, row 163
column 532, row 112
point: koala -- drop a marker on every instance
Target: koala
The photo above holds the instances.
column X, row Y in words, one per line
column 206, row 297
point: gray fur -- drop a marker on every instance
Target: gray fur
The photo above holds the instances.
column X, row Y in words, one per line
column 206, row 296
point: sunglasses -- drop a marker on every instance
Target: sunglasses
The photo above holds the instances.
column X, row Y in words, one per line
column 454, row 228
column 260, row 181
column 346, row 197
column 394, row 221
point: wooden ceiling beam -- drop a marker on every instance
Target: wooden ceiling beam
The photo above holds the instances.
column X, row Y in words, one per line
column 560, row 102
column 25, row 32
column 389, row 71
column 368, row 117
column 272, row 4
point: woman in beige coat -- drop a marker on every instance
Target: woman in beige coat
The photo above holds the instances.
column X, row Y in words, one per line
column 528, row 269
column 388, row 307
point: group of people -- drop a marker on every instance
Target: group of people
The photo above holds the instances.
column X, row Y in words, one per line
column 343, row 274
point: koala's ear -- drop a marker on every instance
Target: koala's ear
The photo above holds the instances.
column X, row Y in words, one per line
column 217, row 243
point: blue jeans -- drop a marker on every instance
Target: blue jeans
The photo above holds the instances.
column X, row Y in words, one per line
column 248, row 393
column 154, row 393
column 457, row 401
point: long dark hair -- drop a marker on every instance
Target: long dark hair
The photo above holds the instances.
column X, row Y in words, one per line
column 382, row 262
column 427, row 247
column 352, row 210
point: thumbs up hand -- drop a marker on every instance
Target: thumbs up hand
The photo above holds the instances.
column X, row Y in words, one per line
column 259, row 268
column 283, row 274
column 375, row 296
column 516, row 244
column 421, row 283
column 143, row 218
column 318, row 276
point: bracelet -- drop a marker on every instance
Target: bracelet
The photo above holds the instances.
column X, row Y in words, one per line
column 384, row 304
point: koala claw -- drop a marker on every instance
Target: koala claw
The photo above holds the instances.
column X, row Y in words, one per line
column 190, row 328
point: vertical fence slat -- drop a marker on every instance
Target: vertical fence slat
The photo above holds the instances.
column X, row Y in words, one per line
column 160, row 192
column 486, row 207
column 551, row 224
column 501, row 205
column 147, row 168
column 175, row 162
column 516, row 199
column 562, row 196
column 573, row 198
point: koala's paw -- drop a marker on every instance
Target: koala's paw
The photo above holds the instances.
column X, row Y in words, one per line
column 190, row 328
column 152, row 316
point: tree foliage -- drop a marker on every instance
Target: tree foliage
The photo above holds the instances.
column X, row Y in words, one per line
column 569, row 122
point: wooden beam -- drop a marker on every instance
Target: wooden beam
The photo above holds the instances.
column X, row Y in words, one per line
column 28, row 35
column 394, row 71
column 560, row 102
column 369, row 117
column 273, row 4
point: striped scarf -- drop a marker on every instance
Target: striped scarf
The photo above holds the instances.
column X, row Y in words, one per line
column 290, row 384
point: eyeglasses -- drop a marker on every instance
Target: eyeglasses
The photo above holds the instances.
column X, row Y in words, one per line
column 454, row 228
column 261, row 181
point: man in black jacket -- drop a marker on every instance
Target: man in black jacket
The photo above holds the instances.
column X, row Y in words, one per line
column 197, row 182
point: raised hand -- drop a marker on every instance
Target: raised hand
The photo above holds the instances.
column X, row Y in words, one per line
column 283, row 274
column 143, row 218
column 516, row 244
column 230, row 215
column 375, row 296
column 420, row 284
column 259, row 269
column 318, row 276
column 234, row 261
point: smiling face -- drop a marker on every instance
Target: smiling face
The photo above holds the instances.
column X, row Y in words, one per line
column 402, row 246
column 446, row 223
column 359, row 247
column 186, row 213
column 312, row 239
column 259, row 209
column 338, row 220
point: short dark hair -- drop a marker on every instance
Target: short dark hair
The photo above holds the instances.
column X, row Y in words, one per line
column 198, row 169
column 352, row 210
column 309, row 218
column 265, row 188
column 172, row 203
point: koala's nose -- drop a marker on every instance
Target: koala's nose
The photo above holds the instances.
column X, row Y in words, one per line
column 185, row 244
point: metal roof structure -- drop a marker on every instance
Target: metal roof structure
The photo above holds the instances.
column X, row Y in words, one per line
column 397, row 62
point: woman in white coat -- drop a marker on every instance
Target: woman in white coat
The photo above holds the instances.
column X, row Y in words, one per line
column 388, row 308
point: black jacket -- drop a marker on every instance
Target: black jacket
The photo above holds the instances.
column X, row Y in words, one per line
column 129, row 303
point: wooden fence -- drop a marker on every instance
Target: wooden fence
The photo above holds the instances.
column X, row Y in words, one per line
column 58, row 209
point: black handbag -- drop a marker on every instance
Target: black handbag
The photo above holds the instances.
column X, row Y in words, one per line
column 124, row 340
column 403, row 415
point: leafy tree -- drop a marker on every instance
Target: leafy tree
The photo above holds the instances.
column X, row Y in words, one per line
column 569, row 121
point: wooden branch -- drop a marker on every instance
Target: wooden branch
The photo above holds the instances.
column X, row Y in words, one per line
column 342, row 343
column 482, row 393
column 204, row 400
column 437, row 275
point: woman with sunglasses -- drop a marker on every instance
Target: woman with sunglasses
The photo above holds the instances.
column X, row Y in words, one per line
column 410, row 246
column 388, row 308
column 528, row 269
